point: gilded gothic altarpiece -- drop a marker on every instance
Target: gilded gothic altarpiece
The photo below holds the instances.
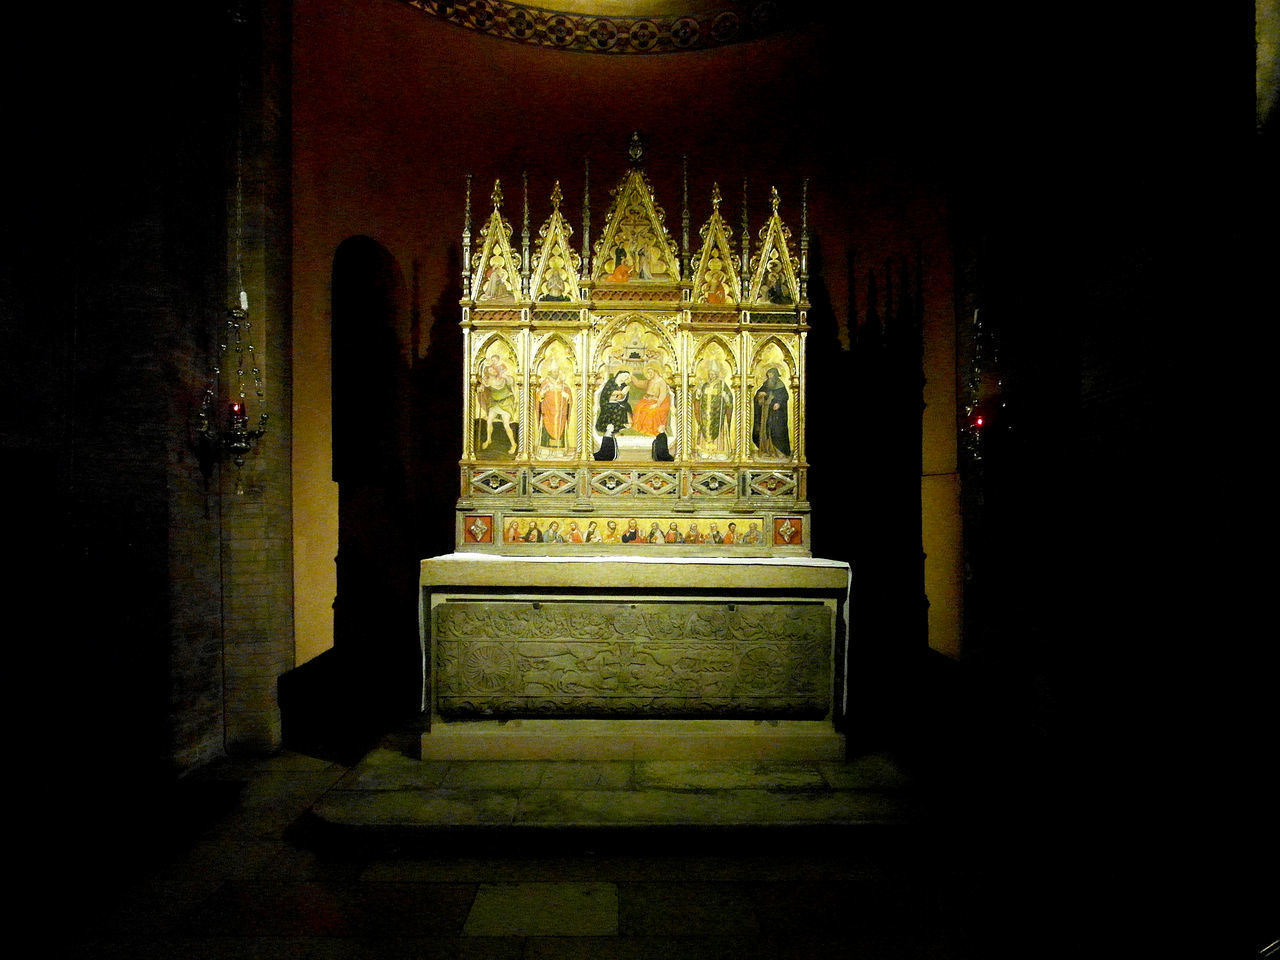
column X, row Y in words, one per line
column 637, row 393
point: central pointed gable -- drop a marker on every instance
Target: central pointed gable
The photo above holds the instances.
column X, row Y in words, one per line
column 635, row 246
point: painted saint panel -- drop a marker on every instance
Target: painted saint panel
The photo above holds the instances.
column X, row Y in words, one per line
column 553, row 402
column 771, row 404
column 713, row 402
column 497, row 405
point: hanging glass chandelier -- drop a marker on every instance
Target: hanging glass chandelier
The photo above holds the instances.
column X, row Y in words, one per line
column 221, row 426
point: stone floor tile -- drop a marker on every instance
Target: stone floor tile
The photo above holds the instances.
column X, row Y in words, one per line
column 586, row 775
column 302, row 948
column 331, row 910
column 642, row 948
column 290, row 788
column 492, row 774
column 250, row 859
column 873, row 771
column 437, row 807
column 649, row 909
column 544, row 909
column 837, row 806
column 454, row 948
column 834, row 908
column 152, row 907
column 391, row 770
column 620, row 807
column 726, row 775
column 711, row 808
column 498, row 869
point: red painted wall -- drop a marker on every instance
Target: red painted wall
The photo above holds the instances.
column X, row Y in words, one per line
column 392, row 107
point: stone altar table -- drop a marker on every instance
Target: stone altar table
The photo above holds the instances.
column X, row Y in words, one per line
column 609, row 657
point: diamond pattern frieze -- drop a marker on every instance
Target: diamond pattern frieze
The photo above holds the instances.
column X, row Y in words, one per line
column 714, row 484
column 774, row 483
column 612, row 482
column 554, row 481
column 494, row 481
column 655, row 482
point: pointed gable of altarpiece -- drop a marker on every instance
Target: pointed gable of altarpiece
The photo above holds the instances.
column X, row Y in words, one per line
column 556, row 265
column 773, row 269
column 497, row 272
column 635, row 245
column 715, row 276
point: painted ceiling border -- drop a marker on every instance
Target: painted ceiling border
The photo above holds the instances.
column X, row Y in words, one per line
column 588, row 33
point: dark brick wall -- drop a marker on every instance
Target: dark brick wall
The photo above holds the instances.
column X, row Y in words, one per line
column 140, row 561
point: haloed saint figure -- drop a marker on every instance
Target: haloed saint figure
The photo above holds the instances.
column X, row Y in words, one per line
column 496, row 400
column 769, row 430
column 713, row 411
column 554, row 402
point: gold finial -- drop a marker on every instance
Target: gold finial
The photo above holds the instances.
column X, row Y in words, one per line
column 496, row 196
column 556, row 197
column 635, row 149
column 715, row 197
column 774, row 198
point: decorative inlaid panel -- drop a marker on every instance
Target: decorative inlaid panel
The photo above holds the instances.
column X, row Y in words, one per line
column 554, row 481
column 645, row 658
column 787, row 531
column 714, row 484
column 775, row 483
column 650, row 295
column 494, row 481
column 479, row 529
column 657, row 482
column 611, row 482
column 481, row 316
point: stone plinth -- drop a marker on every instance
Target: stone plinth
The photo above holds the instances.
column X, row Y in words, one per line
column 633, row 657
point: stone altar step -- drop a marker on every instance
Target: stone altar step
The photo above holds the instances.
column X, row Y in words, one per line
column 402, row 801
column 524, row 739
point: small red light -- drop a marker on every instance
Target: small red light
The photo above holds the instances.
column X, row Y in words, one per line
column 978, row 422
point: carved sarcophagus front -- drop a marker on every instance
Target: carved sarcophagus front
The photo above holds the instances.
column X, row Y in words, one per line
column 643, row 658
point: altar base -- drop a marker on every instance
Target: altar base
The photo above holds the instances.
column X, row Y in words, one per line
column 641, row 658
column 588, row 739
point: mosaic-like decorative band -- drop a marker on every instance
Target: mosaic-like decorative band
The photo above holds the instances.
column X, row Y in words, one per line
column 596, row 34
column 727, row 531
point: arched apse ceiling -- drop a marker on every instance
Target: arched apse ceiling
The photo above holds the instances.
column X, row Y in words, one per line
column 620, row 26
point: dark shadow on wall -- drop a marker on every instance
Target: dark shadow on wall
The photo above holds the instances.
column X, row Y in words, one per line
column 436, row 403
column 340, row 702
